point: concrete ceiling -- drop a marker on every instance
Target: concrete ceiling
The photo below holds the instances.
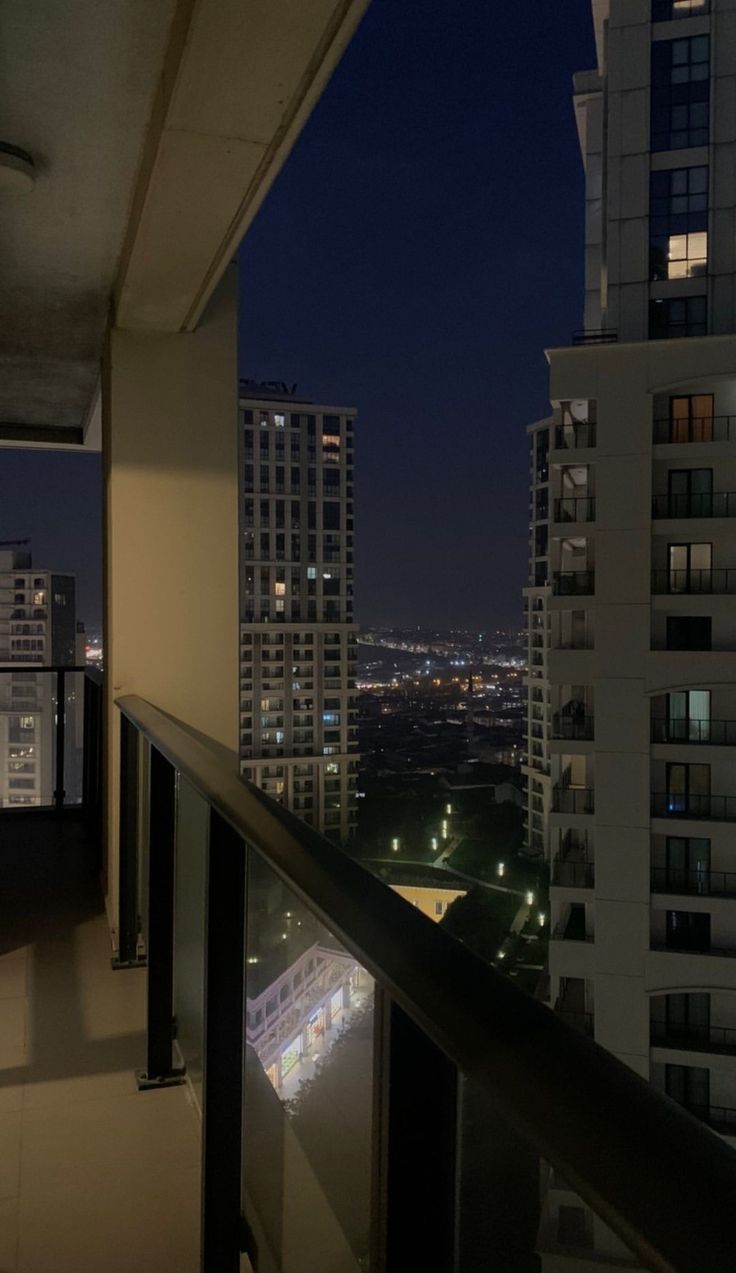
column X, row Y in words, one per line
column 156, row 128
column 77, row 80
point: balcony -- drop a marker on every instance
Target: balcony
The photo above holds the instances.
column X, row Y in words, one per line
column 568, row 873
column 573, row 727
column 573, row 800
column 700, row 883
column 711, row 733
column 691, row 1038
column 595, row 336
column 581, row 1021
column 577, row 583
column 579, row 435
column 710, row 504
column 720, row 428
column 721, row 1118
column 715, row 582
column 575, row 508
column 695, row 807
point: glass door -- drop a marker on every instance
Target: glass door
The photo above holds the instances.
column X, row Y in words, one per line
column 688, row 716
column 691, row 418
column 689, row 567
column 690, row 492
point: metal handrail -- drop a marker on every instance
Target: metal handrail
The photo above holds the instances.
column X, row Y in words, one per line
column 594, row 336
column 719, row 428
column 573, row 799
column 573, row 583
column 670, row 879
column 574, row 508
column 718, row 580
column 696, row 1038
column 573, row 726
column 680, row 804
column 533, row 1068
column 575, row 435
column 696, row 504
column 689, row 729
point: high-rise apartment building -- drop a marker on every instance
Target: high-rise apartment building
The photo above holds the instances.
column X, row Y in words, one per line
column 298, row 731
column 631, row 600
column 38, row 627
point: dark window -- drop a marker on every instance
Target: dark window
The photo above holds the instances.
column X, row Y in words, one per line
column 688, row 930
column 667, row 10
column 678, row 223
column 689, row 1085
column 541, row 541
column 680, row 93
column 247, row 417
column 542, row 502
column 688, row 632
column 331, row 515
column 678, row 316
column 331, row 423
column 542, row 455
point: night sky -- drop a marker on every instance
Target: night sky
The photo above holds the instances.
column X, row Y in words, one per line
column 420, row 249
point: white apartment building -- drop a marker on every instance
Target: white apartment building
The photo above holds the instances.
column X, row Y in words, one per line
column 298, row 731
column 631, row 599
column 37, row 628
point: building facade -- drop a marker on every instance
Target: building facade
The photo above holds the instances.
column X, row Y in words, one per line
column 298, row 728
column 631, row 600
column 38, row 627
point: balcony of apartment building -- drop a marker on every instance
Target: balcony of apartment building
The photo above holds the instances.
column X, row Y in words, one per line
column 708, row 1093
column 684, row 791
column 573, row 499
column 572, row 567
column 688, row 722
column 686, row 424
column 692, row 568
column 574, row 430
column 685, row 866
column 573, row 865
column 571, row 940
column 574, row 1004
column 697, row 1022
column 573, row 796
column 692, row 945
column 573, row 721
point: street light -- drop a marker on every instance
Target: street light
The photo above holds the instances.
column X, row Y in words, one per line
column 395, row 844
column 540, row 919
column 444, row 830
column 500, row 868
column 448, row 809
column 530, row 898
column 435, row 843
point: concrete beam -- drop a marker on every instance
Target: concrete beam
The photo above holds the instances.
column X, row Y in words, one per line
column 239, row 82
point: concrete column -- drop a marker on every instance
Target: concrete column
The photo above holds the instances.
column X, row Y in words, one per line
column 170, row 453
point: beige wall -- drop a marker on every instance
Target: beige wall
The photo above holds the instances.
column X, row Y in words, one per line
column 171, row 529
column 426, row 899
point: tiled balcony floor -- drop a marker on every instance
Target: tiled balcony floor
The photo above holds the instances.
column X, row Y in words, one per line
column 93, row 1174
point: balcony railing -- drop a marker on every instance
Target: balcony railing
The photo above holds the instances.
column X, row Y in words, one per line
column 683, row 946
column 575, row 508
column 572, row 800
column 572, row 874
column 720, row 428
column 715, row 582
column 708, row 504
column 704, row 883
column 53, row 736
column 721, row 1118
column 594, row 336
column 714, row 733
column 573, row 728
column 685, row 805
column 579, row 435
column 581, row 1021
column 575, row 583
column 448, row 1034
column 693, row 1038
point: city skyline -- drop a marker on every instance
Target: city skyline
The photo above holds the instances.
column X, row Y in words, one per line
column 442, row 374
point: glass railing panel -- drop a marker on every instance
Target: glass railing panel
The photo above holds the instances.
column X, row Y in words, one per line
column 73, row 736
column 308, row 1086
column 27, row 739
column 192, row 838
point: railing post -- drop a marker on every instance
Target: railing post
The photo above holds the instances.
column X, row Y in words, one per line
column 160, row 1072
column 417, row 1155
column 224, row 1030
column 59, row 792
column 127, row 955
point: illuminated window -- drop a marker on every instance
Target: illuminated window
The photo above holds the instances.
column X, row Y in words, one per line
column 279, row 589
column 27, row 722
column 263, row 419
column 279, row 604
column 687, row 254
column 311, row 572
column 39, row 598
column 665, row 10
column 279, row 420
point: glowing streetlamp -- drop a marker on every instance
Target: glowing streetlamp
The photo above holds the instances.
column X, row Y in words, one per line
column 445, row 832
column 435, row 843
column 530, row 898
column 541, row 919
column 500, row 868
column 395, row 844
column 448, row 809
